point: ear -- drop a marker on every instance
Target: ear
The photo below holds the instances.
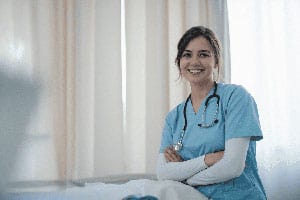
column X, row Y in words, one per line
column 216, row 68
column 216, row 65
column 216, row 73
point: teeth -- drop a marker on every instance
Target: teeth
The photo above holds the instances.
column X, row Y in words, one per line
column 195, row 71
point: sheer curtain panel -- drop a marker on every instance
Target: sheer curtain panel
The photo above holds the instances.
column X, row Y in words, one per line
column 265, row 50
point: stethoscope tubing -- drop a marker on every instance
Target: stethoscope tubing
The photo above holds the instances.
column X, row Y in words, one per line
column 179, row 144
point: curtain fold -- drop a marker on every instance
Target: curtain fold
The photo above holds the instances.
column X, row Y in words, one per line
column 134, row 140
column 85, row 90
column 157, row 79
column 108, row 115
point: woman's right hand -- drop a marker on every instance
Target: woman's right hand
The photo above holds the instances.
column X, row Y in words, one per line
column 171, row 155
column 211, row 158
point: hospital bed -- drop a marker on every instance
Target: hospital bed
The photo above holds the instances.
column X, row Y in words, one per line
column 116, row 187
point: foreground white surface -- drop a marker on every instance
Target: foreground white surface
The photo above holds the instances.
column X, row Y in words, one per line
column 163, row 190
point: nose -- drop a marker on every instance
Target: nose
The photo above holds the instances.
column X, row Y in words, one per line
column 195, row 60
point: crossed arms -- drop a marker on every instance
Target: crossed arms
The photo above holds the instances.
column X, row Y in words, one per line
column 207, row 169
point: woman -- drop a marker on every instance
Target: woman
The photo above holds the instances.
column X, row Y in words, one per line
column 209, row 140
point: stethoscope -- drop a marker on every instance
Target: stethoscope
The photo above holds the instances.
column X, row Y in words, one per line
column 179, row 144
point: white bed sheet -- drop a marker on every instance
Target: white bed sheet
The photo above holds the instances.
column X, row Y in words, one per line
column 163, row 190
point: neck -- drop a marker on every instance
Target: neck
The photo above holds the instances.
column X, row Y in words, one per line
column 199, row 92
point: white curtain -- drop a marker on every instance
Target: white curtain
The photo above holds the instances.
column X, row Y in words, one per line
column 101, row 78
column 265, row 50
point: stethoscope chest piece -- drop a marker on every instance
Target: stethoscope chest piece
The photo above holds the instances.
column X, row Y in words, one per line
column 177, row 147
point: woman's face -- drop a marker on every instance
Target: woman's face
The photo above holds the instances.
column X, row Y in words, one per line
column 197, row 61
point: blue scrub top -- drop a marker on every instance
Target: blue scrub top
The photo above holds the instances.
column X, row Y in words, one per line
column 238, row 117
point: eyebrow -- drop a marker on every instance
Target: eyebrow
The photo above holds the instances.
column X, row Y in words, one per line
column 202, row 50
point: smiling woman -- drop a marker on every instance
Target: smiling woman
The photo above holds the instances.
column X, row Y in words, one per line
column 218, row 158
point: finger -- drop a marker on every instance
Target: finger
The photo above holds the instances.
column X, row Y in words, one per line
column 166, row 154
column 220, row 153
column 176, row 157
column 168, row 157
column 179, row 158
column 171, row 151
column 167, row 151
column 171, row 158
column 175, row 153
column 172, row 155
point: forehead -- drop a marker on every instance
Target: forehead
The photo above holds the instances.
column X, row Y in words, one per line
column 198, row 43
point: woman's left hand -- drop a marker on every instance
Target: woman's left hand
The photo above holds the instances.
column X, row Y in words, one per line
column 171, row 155
column 211, row 158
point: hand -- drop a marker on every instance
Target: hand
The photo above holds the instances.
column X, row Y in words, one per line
column 211, row 158
column 171, row 155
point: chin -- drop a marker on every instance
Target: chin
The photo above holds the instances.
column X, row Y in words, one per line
column 198, row 81
column 198, row 78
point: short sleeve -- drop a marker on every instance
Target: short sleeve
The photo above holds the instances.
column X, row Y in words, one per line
column 241, row 116
column 166, row 139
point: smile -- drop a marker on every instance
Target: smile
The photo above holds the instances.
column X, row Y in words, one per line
column 195, row 71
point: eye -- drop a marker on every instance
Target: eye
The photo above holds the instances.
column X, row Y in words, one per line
column 204, row 55
column 186, row 55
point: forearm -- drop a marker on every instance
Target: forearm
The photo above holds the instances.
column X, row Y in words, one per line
column 230, row 166
column 178, row 171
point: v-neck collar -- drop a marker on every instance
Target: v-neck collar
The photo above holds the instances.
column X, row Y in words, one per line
column 192, row 117
column 190, row 109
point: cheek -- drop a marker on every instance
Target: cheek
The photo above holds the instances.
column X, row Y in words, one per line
column 210, row 64
column 182, row 64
